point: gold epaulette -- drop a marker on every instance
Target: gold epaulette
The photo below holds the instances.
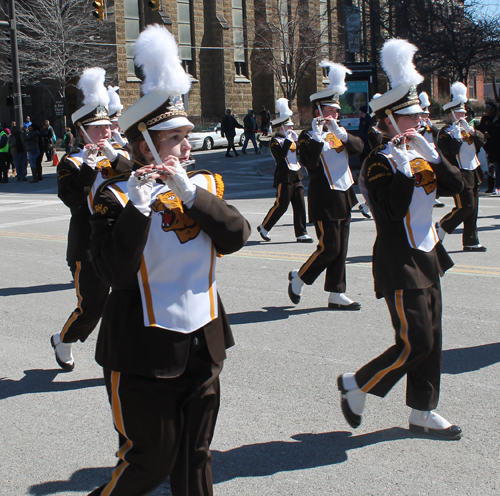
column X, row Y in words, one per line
column 219, row 183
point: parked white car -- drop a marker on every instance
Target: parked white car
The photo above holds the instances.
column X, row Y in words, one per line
column 206, row 137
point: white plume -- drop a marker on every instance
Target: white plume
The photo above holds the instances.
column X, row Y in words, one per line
column 336, row 74
column 92, row 85
column 157, row 54
column 424, row 100
column 396, row 58
column 115, row 104
column 282, row 107
column 459, row 92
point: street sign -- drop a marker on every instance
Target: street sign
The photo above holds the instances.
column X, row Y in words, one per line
column 59, row 108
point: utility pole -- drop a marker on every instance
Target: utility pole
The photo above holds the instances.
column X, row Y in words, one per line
column 16, row 80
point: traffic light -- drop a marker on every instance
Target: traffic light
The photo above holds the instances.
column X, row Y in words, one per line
column 154, row 4
column 99, row 9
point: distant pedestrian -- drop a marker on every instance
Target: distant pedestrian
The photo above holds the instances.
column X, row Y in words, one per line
column 17, row 147
column 250, row 126
column 48, row 136
column 27, row 122
column 490, row 111
column 33, row 147
column 228, row 129
column 365, row 123
column 68, row 140
column 4, row 151
column 265, row 119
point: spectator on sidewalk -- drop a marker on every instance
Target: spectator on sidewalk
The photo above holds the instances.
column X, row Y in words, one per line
column 250, row 126
column 48, row 136
column 4, row 151
column 33, row 147
column 68, row 140
column 228, row 129
column 17, row 147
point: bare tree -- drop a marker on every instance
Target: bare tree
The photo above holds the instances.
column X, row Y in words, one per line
column 453, row 37
column 288, row 42
column 56, row 39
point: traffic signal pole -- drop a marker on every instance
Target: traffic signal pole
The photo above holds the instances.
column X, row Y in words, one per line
column 16, row 79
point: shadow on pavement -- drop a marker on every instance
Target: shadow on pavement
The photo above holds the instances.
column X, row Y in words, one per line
column 86, row 479
column 44, row 288
column 304, row 452
column 269, row 314
column 41, row 381
column 252, row 460
column 460, row 360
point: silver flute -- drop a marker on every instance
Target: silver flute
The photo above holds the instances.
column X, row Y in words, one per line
column 142, row 178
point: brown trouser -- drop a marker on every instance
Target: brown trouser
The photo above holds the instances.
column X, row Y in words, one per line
column 165, row 428
column 330, row 254
column 416, row 317
column 92, row 293
column 288, row 193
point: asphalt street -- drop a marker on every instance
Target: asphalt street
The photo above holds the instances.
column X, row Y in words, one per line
column 280, row 429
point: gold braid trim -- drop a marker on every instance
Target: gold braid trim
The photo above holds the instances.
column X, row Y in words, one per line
column 219, row 185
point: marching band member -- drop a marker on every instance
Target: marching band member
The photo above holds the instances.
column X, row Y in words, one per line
column 155, row 240
column 427, row 129
column 287, row 177
column 324, row 150
column 400, row 180
column 457, row 141
column 115, row 111
column 77, row 175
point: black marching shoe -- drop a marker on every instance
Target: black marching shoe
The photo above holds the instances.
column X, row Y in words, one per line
column 263, row 233
column 431, row 423
column 64, row 355
column 478, row 248
column 352, row 418
column 295, row 298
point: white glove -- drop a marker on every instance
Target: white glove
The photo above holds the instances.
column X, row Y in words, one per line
column 317, row 128
column 182, row 186
column 140, row 194
column 291, row 135
column 466, row 126
column 401, row 158
column 119, row 138
column 338, row 131
column 89, row 156
column 426, row 149
column 109, row 152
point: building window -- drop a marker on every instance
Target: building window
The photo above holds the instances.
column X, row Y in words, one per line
column 473, row 88
column 185, row 39
column 132, row 30
column 239, row 38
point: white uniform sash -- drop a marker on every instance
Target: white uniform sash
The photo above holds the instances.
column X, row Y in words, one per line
column 177, row 273
column 467, row 158
column 335, row 160
column 418, row 223
column 291, row 156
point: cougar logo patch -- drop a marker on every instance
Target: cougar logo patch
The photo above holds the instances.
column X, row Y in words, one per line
column 424, row 175
column 467, row 138
column 334, row 142
column 173, row 217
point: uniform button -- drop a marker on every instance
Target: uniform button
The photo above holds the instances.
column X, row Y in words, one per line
column 195, row 342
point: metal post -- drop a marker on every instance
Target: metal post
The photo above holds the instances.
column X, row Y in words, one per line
column 16, row 80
